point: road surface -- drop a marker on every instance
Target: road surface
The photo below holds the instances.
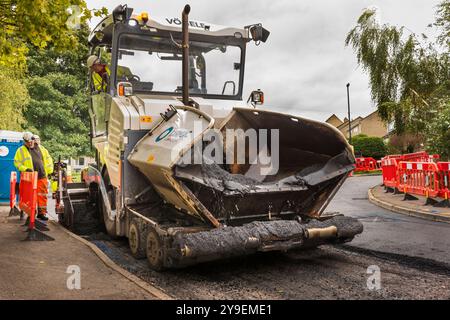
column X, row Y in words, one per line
column 412, row 256
column 387, row 231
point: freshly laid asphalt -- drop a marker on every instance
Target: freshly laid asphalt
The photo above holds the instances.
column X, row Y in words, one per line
column 387, row 231
column 411, row 254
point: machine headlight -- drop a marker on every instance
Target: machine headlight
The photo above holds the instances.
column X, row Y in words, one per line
column 124, row 89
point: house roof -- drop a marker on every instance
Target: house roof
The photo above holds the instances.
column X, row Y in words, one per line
column 333, row 116
column 334, row 121
column 353, row 122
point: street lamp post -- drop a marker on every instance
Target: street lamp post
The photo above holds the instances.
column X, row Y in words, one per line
column 349, row 121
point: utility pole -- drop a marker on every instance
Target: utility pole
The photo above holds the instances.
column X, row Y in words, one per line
column 349, row 121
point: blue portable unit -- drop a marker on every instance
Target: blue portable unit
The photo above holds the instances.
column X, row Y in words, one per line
column 10, row 141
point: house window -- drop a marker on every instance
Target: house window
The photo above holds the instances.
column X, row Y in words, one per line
column 391, row 126
column 81, row 161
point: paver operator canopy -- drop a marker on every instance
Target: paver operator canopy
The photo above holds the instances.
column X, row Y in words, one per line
column 151, row 48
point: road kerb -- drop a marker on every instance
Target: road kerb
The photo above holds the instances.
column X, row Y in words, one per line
column 366, row 175
column 158, row 293
column 406, row 211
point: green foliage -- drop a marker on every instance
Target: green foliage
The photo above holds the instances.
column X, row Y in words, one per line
column 375, row 47
column 35, row 22
column 438, row 139
column 443, row 23
column 58, row 109
column 39, row 23
column 403, row 72
column 369, row 146
column 42, row 45
column 13, row 97
column 58, row 112
column 407, row 74
column 51, row 60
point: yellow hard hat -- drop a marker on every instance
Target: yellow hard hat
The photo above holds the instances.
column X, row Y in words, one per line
column 92, row 60
column 27, row 136
column 36, row 138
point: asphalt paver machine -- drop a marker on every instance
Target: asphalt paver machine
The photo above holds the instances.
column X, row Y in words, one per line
column 170, row 174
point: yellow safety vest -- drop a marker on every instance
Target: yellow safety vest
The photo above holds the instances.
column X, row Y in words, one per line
column 23, row 161
column 97, row 78
column 54, row 185
column 48, row 161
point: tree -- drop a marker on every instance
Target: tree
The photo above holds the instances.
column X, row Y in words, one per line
column 409, row 76
column 443, row 24
column 57, row 111
column 369, row 146
column 52, row 60
column 405, row 143
column 13, row 98
column 438, row 139
column 39, row 23
column 33, row 22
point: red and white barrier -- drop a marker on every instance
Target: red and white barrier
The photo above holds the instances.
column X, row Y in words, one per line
column 417, row 174
column 366, row 164
column 418, row 178
column 389, row 171
column 444, row 179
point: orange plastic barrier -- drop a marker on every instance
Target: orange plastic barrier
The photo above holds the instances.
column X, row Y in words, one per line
column 28, row 195
column 420, row 175
column 421, row 156
column 389, row 165
column 389, row 170
column 366, row 164
column 420, row 178
column 444, row 179
column 12, row 190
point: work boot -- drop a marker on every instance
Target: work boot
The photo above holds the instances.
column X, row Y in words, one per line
column 42, row 217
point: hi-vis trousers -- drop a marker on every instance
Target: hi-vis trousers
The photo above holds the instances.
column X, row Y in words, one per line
column 42, row 189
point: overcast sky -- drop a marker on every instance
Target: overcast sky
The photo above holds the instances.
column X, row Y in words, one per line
column 304, row 66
